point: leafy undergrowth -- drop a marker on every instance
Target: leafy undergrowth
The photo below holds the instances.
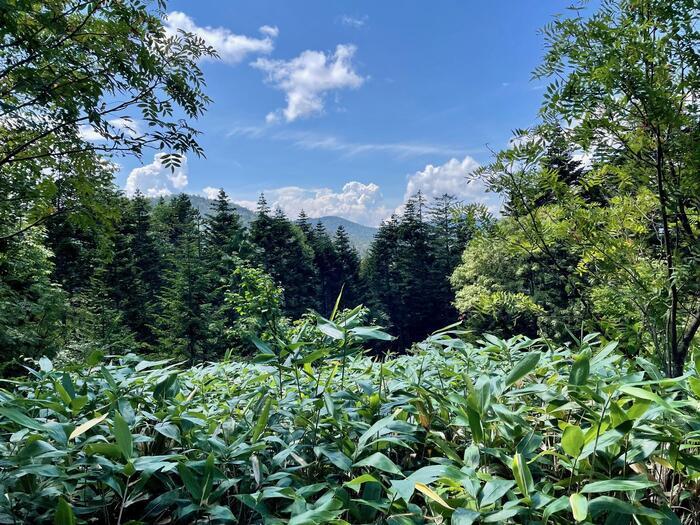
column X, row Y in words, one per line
column 314, row 432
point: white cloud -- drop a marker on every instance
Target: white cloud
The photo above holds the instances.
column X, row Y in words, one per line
column 306, row 79
column 210, row 192
column 363, row 203
column 271, row 31
column 122, row 124
column 353, row 21
column 452, row 177
column 156, row 180
column 232, row 48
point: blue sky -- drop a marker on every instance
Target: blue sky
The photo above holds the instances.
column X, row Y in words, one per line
column 345, row 108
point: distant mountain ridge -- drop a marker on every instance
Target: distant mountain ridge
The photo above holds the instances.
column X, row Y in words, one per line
column 360, row 235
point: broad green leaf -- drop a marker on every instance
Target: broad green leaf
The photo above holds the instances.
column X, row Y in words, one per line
column 609, row 504
column 641, row 393
column 579, row 506
column 331, row 330
column 475, row 425
column 261, row 421
column 523, row 367
column 381, row 462
column 580, row 369
column 356, row 483
column 191, row 481
column 572, row 440
column 369, row 333
column 494, row 490
column 522, row 475
column 64, row 513
column 463, row 516
column 45, row 364
column 502, row 516
column 168, row 430
column 21, row 419
column 618, row 485
column 336, row 457
column 123, row 437
column 694, row 384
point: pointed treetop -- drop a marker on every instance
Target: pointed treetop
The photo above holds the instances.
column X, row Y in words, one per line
column 263, row 207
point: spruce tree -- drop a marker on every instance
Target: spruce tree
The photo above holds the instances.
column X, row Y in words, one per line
column 285, row 254
column 224, row 240
column 348, row 269
column 182, row 322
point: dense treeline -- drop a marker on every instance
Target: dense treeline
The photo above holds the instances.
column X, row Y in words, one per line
column 166, row 279
column 599, row 230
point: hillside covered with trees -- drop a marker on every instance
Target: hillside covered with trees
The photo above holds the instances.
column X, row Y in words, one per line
column 187, row 361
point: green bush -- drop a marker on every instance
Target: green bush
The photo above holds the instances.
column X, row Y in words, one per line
column 313, row 432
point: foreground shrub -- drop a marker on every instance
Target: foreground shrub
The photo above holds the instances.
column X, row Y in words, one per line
column 505, row 432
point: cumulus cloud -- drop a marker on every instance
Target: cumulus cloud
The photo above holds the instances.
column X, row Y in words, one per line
column 452, row 177
column 232, row 48
column 210, row 192
column 363, row 203
column 156, row 180
column 307, row 78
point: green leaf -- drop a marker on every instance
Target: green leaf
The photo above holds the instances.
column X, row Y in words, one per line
column 572, row 440
column 618, row 485
column 328, row 402
column 475, row 425
column 579, row 506
column 94, row 357
column 261, row 422
column 209, row 472
column 522, row 475
column 523, row 367
column 191, row 481
column 694, row 384
column 580, row 369
column 21, row 419
column 356, row 483
column 45, row 364
column 369, row 333
column 168, row 430
column 609, row 504
column 336, row 457
column 123, row 437
column 464, row 517
column 64, row 513
column 641, row 393
column 381, row 462
column 331, row 330
column 494, row 490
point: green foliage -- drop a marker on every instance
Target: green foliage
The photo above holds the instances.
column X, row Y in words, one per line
column 313, row 431
column 617, row 230
column 31, row 305
column 285, row 253
column 407, row 269
column 141, row 81
column 253, row 307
